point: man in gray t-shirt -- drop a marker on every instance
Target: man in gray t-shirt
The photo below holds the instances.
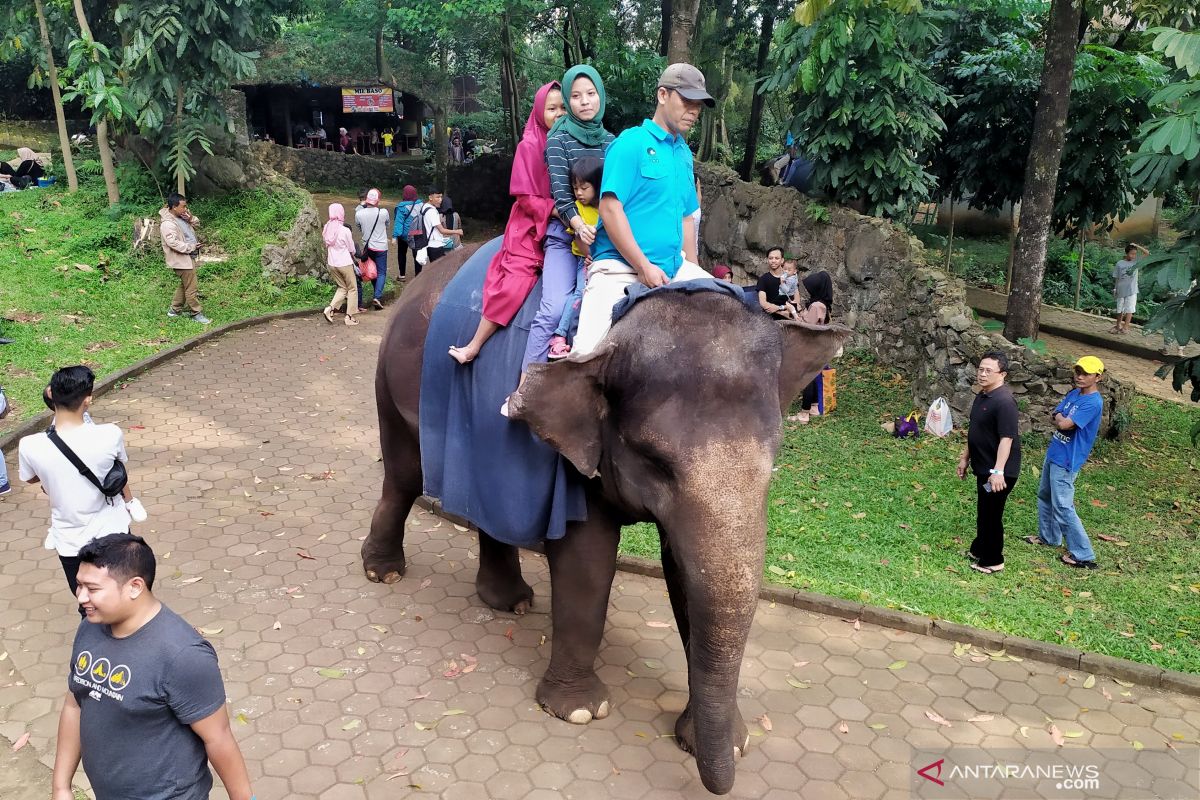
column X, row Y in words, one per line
column 1126, row 289
column 145, row 707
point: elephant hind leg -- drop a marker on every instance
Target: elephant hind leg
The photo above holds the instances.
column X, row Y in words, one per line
column 499, row 582
column 383, row 550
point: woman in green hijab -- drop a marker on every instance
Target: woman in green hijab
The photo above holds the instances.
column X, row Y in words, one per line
column 579, row 134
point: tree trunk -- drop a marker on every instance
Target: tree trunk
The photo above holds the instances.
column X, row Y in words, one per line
column 754, row 127
column 64, row 141
column 102, row 144
column 950, row 239
column 1012, row 246
column 508, row 87
column 180, row 177
column 1079, row 274
column 683, row 25
column 1041, row 172
column 664, row 32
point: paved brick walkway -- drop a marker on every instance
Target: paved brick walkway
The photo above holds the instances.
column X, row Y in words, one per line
column 261, row 446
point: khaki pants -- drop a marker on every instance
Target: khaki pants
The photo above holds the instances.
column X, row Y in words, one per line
column 343, row 278
column 606, row 284
column 186, row 293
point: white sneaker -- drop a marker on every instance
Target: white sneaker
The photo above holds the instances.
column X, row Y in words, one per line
column 137, row 511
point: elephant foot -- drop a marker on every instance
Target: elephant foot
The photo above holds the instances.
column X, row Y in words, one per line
column 515, row 596
column 578, row 703
column 381, row 569
column 685, row 734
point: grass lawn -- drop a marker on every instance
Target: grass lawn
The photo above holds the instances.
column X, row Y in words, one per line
column 856, row 514
column 72, row 292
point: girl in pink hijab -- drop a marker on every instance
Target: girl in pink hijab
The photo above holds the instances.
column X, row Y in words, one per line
column 339, row 244
column 514, row 270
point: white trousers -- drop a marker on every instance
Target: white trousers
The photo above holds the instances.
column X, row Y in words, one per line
column 606, row 285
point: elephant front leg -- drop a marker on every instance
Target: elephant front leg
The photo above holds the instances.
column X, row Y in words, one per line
column 582, row 566
column 383, row 550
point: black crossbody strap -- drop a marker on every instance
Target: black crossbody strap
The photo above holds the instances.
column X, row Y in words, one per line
column 74, row 459
column 366, row 245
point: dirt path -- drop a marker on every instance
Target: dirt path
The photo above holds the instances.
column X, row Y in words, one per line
column 1131, row 369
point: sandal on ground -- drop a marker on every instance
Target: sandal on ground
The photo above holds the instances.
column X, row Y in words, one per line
column 328, row 312
column 1070, row 562
column 802, row 418
column 1036, row 540
column 970, row 556
column 988, row 570
column 377, row 304
column 350, row 320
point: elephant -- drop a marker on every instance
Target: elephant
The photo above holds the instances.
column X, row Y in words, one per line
column 675, row 419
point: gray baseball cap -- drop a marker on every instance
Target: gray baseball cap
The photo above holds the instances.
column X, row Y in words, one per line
column 688, row 81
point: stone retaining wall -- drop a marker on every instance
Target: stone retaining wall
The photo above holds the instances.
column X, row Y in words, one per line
column 479, row 189
column 914, row 318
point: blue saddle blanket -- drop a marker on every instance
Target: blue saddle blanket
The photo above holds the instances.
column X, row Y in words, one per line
column 483, row 467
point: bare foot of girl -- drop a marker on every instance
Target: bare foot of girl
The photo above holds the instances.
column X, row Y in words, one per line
column 464, row 355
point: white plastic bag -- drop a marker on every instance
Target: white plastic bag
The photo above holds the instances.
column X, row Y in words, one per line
column 938, row 420
column 422, row 256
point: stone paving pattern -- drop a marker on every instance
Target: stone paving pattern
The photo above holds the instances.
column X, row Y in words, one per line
column 257, row 451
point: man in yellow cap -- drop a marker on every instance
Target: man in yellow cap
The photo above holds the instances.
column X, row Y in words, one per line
column 1076, row 422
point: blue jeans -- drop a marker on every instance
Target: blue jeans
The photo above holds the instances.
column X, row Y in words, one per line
column 3, row 471
column 558, row 281
column 380, row 258
column 570, row 315
column 1056, row 512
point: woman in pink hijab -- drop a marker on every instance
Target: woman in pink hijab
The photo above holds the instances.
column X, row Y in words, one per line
column 514, row 270
column 339, row 244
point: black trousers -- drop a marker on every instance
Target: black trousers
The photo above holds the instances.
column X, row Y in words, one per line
column 808, row 398
column 402, row 256
column 435, row 253
column 70, row 565
column 989, row 522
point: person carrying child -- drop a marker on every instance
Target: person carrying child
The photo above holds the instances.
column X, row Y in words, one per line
column 513, row 271
column 585, row 180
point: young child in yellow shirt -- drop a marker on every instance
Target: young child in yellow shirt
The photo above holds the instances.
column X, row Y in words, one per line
column 585, row 181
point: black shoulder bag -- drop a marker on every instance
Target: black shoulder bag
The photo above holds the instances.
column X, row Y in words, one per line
column 114, row 481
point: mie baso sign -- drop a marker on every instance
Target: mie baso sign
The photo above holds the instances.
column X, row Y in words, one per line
column 371, row 100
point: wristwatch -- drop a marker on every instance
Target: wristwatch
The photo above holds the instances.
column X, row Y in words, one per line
column 995, row 472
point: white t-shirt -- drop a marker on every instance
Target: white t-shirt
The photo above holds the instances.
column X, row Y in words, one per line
column 78, row 511
column 431, row 218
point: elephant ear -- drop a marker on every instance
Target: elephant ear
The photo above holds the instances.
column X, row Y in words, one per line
column 806, row 351
column 563, row 403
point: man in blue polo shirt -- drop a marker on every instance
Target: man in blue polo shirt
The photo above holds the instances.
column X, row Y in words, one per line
column 1076, row 422
column 647, row 198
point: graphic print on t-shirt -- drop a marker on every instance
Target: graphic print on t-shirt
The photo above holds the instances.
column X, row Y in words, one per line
column 100, row 677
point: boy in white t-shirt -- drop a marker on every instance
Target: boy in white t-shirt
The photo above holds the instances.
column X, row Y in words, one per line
column 79, row 512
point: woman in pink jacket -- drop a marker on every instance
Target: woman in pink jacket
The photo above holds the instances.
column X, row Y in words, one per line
column 339, row 243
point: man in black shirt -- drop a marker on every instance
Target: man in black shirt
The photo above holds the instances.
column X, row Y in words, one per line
column 993, row 454
column 770, row 295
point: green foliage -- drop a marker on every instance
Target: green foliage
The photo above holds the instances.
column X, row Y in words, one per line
column 1035, row 345
column 1110, row 99
column 96, row 85
column 818, row 212
column 871, row 106
column 889, row 526
column 987, row 61
column 1169, row 156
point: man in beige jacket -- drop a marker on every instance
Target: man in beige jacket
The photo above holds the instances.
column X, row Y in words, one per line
column 179, row 245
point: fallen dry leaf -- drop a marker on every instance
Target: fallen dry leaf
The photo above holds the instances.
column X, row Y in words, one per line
column 898, row 665
column 933, row 716
column 425, row 584
column 1089, row 682
column 304, row 554
column 981, row 718
column 351, row 725
column 765, row 721
column 843, row 727
column 1056, row 735
column 656, row 623
column 192, row 580
column 21, row 742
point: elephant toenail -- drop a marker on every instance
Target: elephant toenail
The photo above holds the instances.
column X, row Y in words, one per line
column 580, row 716
column 603, row 710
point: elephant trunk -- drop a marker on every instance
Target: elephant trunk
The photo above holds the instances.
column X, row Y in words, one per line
column 721, row 571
